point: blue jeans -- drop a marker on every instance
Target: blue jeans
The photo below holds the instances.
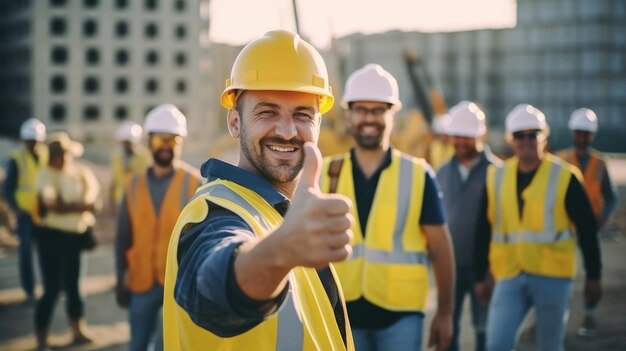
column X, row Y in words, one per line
column 146, row 326
column 511, row 301
column 25, row 252
column 405, row 334
column 464, row 286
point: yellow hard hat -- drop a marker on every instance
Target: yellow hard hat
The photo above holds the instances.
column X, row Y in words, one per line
column 279, row 60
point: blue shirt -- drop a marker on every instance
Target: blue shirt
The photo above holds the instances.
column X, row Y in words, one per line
column 205, row 287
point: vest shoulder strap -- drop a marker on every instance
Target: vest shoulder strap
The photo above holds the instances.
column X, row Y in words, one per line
column 334, row 170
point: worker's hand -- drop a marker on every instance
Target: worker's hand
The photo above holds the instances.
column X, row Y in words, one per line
column 440, row 332
column 592, row 291
column 122, row 294
column 484, row 290
column 316, row 230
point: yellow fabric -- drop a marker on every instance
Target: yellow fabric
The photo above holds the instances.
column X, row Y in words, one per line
column 151, row 231
column 139, row 161
column 75, row 183
column 27, row 172
column 522, row 250
column 398, row 286
column 320, row 329
column 593, row 176
column 439, row 153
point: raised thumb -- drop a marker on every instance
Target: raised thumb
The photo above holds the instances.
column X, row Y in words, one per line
column 312, row 167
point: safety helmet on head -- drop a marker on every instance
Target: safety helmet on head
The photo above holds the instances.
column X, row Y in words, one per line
column 279, row 60
column 583, row 119
column 166, row 118
column 33, row 129
column 466, row 120
column 526, row 117
column 371, row 83
column 440, row 124
column 129, row 131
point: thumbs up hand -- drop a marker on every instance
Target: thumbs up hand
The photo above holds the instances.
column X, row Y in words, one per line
column 316, row 230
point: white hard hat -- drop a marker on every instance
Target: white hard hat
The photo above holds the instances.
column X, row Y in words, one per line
column 33, row 129
column 466, row 120
column 583, row 119
column 371, row 83
column 441, row 123
column 129, row 131
column 166, row 118
column 525, row 117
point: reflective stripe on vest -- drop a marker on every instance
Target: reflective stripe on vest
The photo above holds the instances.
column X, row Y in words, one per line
column 549, row 234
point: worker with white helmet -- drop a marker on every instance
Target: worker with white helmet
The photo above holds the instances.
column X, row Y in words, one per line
column 130, row 157
column 249, row 264
column 535, row 211
column 602, row 193
column 19, row 187
column 440, row 148
column 152, row 201
column 463, row 181
column 400, row 225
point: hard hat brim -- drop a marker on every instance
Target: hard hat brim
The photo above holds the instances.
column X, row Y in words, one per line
column 229, row 96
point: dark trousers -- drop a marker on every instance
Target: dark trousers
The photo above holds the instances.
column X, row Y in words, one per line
column 59, row 258
column 464, row 287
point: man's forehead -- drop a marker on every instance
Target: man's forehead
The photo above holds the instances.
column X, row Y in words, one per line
column 282, row 98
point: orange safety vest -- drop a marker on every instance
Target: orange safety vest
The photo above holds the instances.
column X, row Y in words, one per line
column 146, row 258
column 593, row 175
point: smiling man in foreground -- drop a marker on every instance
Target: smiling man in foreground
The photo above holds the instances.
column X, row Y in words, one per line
column 249, row 260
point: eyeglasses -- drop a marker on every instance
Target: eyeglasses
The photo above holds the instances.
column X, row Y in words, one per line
column 364, row 111
column 531, row 136
column 158, row 141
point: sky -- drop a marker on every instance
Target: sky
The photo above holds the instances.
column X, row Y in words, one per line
column 321, row 20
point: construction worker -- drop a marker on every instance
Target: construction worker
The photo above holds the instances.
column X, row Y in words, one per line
column 153, row 199
column 68, row 197
column 130, row 157
column 440, row 148
column 462, row 181
column 249, row 261
column 20, row 189
column 534, row 210
column 583, row 125
column 400, row 225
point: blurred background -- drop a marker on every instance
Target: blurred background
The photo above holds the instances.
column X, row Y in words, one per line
column 86, row 66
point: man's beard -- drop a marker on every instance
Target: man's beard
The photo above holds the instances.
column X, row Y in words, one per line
column 163, row 161
column 369, row 142
column 282, row 173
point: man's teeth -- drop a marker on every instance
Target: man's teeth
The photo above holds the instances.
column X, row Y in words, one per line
column 282, row 149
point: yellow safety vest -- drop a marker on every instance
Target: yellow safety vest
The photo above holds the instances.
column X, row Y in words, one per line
column 319, row 330
column 593, row 176
column 389, row 267
column 27, row 172
column 138, row 162
column 540, row 241
column 151, row 231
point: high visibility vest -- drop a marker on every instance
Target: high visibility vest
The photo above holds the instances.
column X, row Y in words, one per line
column 540, row 241
column 389, row 265
column 151, row 231
column 309, row 308
column 593, row 176
column 27, row 172
column 123, row 167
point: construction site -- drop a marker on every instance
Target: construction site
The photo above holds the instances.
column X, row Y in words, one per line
column 85, row 76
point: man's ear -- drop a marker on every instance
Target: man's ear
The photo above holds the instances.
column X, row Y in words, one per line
column 233, row 122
